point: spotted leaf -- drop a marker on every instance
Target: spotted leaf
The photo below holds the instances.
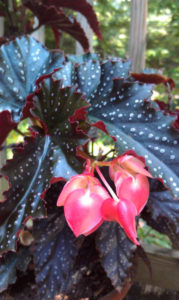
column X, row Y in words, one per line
column 54, row 106
column 54, row 254
column 116, row 252
column 146, row 130
column 125, row 107
column 79, row 59
column 21, row 63
column 93, row 78
column 85, row 276
column 162, row 212
column 45, row 156
column 10, row 263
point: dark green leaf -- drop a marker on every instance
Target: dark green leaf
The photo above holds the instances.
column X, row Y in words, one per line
column 116, row 252
column 22, row 62
column 162, row 212
column 54, row 254
column 9, row 263
column 93, row 78
column 125, row 107
column 43, row 157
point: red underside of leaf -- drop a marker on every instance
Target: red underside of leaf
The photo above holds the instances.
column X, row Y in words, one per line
column 153, row 78
column 79, row 114
column 100, row 125
column 176, row 123
column 6, row 125
column 83, row 7
column 56, row 18
column 164, row 106
column 57, row 35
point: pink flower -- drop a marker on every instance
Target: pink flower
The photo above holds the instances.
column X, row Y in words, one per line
column 132, row 189
column 130, row 179
column 124, row 212
column 82, row 198
column 87, row 203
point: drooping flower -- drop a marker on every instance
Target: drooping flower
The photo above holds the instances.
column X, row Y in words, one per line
column 130, row 179
column 87, row 203
column 82, row 198
column 121, row 210
column 124, row 212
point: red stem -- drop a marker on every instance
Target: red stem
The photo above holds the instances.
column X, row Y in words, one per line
column 114, row 196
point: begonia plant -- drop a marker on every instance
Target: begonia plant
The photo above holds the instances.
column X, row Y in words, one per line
column 69, row 214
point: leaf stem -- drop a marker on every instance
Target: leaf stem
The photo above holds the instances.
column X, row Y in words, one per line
column 20, row 132
column 114, row 196
column 104, row 156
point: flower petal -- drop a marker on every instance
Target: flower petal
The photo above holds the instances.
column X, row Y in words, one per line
column 76, row 182
column 114, row 168
column 83, row 211
column 108, row 210
column 133, row 164
column 126, row 212
column 135, row 190
column 100, row 190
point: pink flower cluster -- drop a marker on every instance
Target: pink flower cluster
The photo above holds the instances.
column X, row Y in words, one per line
column 87, row 203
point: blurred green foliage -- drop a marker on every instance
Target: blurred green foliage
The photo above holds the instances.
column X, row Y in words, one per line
column 148, row 235
column 17, row 136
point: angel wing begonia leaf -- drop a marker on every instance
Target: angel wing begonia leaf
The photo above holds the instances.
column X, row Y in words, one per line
column 22, row 62
column 54, row 254
column 81, row 6
column 10, row 263
column 87, row 278
column 45, row 156
column 93, row 78
column 147, row 131
column 116, row 252
column 162, row 212
column 153, row 78
column 79, row 59
column 54, row 250
column 129, row 114
column 57, row 19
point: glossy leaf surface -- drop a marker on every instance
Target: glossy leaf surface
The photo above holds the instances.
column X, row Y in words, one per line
column 54, row 255
column 79, row 59
column 162, row 212
column 116, row 252
column 10, row 263
column 43, row 157
column 22, row 62
column 125, row 107
column 87, row 278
